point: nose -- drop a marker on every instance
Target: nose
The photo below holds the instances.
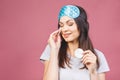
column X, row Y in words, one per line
column 65, row 28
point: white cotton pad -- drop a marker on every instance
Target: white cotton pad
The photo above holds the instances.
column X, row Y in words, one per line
column 78, row 53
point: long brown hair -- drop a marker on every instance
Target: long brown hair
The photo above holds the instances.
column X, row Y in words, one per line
column 84, row 39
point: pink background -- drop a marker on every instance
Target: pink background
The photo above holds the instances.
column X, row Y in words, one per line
column 25, row 26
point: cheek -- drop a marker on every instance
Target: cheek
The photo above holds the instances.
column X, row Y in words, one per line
column 75, row 29
column 76, row 33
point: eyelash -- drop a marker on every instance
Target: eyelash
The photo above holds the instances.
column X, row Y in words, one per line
column 69, row 24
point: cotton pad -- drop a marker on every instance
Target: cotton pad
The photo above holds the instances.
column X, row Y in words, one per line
column 78, row 53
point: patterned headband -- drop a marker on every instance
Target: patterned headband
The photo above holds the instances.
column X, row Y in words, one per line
column 70, row 11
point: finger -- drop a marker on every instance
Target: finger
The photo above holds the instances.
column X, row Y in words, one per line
column 92, row 56
column 89, row 57
column 87, row 51
column 85, row 56
column 88, row 60
column 59, row 30
column 59, row 38
column 54, row 33
column 85, row 61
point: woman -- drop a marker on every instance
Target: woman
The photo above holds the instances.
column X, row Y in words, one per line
column 59, row 55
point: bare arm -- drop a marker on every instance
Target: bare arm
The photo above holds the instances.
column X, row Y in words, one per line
column 51, row 68
column 89, row 59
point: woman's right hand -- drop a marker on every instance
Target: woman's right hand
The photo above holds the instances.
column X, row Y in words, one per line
column 55, row 40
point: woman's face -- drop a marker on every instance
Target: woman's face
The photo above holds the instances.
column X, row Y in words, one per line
column 69, row 30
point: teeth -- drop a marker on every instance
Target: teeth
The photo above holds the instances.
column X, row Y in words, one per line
column 66, row 35
column 78, row 53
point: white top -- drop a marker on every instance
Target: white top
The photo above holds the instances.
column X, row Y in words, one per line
column 75, row 73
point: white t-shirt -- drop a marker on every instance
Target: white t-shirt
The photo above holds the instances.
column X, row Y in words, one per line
column 75, row 73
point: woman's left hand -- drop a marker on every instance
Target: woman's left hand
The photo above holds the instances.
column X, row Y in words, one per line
column 90, row 60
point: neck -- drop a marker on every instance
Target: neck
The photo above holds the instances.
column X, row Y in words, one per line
column 72, row 46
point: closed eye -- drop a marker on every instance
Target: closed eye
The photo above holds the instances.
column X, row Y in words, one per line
column 70, row 23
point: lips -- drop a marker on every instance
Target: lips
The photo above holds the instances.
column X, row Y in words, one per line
column 66, row 35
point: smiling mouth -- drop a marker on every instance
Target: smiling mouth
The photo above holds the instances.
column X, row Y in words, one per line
column 66, row 35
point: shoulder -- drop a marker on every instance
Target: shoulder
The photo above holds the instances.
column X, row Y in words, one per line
column 47, row 49
column 99, row 53
column 103, row 64
column 46, row 53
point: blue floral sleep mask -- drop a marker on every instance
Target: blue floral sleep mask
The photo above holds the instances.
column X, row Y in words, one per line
column 70, row 11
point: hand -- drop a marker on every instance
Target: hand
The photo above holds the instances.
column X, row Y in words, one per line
column 55, row 40
column 90, row 60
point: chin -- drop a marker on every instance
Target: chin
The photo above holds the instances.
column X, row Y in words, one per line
column 68, row 40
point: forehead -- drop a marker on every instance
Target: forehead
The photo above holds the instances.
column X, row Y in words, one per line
column 65, row 19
